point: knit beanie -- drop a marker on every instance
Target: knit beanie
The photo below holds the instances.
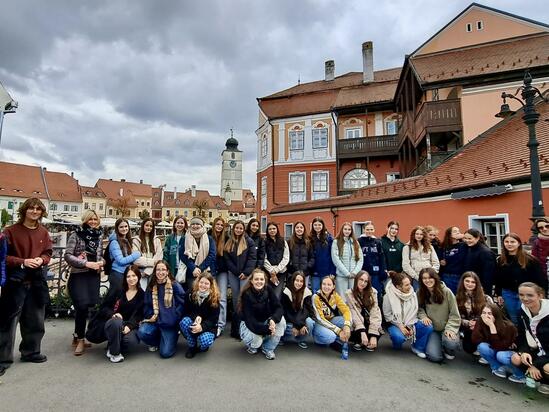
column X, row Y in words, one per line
column 196, row 221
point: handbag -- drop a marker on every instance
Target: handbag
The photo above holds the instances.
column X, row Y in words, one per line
column 96, row 329
column 181, row 275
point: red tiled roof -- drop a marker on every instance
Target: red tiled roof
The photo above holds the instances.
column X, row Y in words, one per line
column 130, row 190
column 186, row 199
column 499, row 155
column 496, row 57
column 89, row 191
column 62, row 187
column 19, row 180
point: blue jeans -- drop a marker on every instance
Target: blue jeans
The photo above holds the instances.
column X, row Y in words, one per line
column 236, row 286
column 377, row 284
column 203, row 339
column 422, row 336
column 222, row 282
column 497, row 359
column 315, row 283
column 268, row 342
column 343, row 284
column 451, row 281
column 115, row 280
column 165, row 338
column 288, row 335
column 323, row 335
column 512, row 304
column 436, row 343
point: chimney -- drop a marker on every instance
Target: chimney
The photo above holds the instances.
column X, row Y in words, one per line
column 141, row 181
column 72, row 174
column 175, row 192
column 122, row 180
column 329, row 70
column 193, row 190
column 368, row 62
column 121, row 192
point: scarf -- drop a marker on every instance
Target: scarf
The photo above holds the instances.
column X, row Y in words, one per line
column 91, row 239
column 202, row 296
column 168, row 299
column 531, row 334
column 192, row 250
column 404, row 305
column 469, row 303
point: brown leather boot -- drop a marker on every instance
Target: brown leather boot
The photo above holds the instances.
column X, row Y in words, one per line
column 79, row 350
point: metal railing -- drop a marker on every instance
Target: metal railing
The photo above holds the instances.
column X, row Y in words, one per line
column 368, row 146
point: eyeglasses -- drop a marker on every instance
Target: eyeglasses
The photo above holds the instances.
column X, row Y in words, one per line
column 544, row 227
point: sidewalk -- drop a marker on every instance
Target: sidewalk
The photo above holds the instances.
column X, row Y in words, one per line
column 228, row 379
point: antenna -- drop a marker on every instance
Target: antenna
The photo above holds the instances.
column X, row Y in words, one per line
column 231, row 129
column 298, row 79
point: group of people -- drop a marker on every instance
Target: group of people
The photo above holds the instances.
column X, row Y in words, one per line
column 343, row 292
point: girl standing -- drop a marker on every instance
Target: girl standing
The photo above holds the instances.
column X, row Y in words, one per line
column 479, row 258
column 301, row 253
column 84, row 255
column 277, row 257
column 150, row 247
column 120, row 250
column 163, row 309
column 418, row 254
column 392, row 247
column 219, row 235
column 373, row 258
column 252, row 230
column 452, row 255
column 321, row 242
column 199, row 254
column 201, row 314
column 298, row 309
column 347, row 258
column 263, row 322
column 172, row 245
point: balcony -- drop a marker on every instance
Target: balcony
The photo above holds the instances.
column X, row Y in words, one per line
column 368, row 146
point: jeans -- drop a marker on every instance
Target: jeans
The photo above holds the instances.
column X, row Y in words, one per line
column 436, row 343
column 324, row 336
column 451, row 281
column 315, row 283
column 165, row 338
column 117, row 341
column 288, row 335
column 115, row 280
column 221, row 279
column 203, row 339
column 512, row 304
column 496, row 359
column 422, row 336
column 342, row 284
column 268, row 342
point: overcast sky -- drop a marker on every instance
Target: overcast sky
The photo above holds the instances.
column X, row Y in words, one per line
column 149, row 89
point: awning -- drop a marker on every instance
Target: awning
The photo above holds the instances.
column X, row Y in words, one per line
column 485, row 191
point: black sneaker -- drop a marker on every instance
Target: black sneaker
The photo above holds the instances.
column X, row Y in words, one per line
column 3, row 370
column 34, row 358
column 190, row 353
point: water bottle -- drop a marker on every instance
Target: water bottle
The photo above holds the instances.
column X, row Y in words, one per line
column 345, row 351
column 530, row 382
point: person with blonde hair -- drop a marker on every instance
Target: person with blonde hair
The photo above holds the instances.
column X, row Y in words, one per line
column 84, row 254
column 347, row 258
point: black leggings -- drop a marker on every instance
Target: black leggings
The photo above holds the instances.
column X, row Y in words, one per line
column 80, row 320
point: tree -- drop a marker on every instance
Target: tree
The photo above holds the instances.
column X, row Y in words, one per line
column 144, row 214
column 201, row 205
column 6, row 217
column 122, row 206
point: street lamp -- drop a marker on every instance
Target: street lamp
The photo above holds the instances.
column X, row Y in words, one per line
column 530, row 118
column 7, row 105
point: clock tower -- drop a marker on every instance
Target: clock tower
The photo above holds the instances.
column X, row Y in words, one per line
column 231, row 171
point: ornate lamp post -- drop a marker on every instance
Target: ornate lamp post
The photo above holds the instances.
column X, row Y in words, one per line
column 530, row 118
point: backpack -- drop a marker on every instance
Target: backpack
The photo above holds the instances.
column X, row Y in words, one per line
column 107, row 267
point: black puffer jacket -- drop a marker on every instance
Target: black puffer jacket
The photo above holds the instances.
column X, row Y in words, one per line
column 245, row 263
column 481, row 260
column 301, row 257
column 259, row 242
column 298, row 317
column 258, row 307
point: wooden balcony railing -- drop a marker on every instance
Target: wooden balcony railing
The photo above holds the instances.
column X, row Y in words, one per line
column 368, row 146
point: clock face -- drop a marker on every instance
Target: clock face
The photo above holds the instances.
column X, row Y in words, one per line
column 232, row 164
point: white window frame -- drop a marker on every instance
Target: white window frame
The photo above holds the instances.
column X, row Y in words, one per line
column 101, row 206
column 480, row 25
column 86, row 206
column 295, row 138
column 320, row 194
column 264, row 193
column 288, row 230
column 469, row 27
column 392, row 176
column 373, row 179
column 392, row 121
column 318, row 137
column 351, row 132
column 263, row 225
column 66, row 208
column 264, row 146
column 297, row 195
column 74, row 208
column 358, row 227
column 478, row 222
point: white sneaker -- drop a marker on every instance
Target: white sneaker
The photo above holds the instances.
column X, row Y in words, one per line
column 543, row 388
column 269, row 354
column 449, row 356
column 418, row 353
column 476, row 353
column 482, row 361
column 517, row 379
column 116, row 358
column 251, row 351
column 500, row 372
column 153, row 348
column 108, row 354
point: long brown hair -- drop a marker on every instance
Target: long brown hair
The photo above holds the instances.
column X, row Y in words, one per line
column 341, row 240
column 239, row 243
column 27, row 204
column 322, row 237
column 297, row 295
column 522, row 256
column 448, row 242
column 147, row 239
column 501, row 323
column 184, row 219
column 249, row 228
column 214, row 290
column 479, row 300
column 424, row 296
column 294, row 239
column 425, row 243
column 219, row 238
column 125, row 242
column 248, row 286
column 366, row 297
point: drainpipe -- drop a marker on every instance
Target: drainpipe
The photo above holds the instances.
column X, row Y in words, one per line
column 334, row 219
column 43, row 175
column 336, row 150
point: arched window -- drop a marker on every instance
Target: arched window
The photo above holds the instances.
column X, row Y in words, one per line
column 357, row 178
column 232, row 155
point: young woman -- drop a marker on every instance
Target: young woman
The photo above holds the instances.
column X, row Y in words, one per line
column 432, row 235
column 400, row 309
column 332, row 316
column 301, row 252
column 437, row 307
column 540, row 246
column 479, row 258
column 163, row 311
column 494, row 336
column 201, row 314
column 373, row 257
column 452, row 254
column 533, row 335
column 261, row 313
column 172, row 245
column 150, row 247
column 347, row 258
column 470, row 299
column 418, row 254
column 219, row 235
column 392, row 247
column 252, row 230
column 298, row 309
column 119, row 316
column 365, row 313
column 199, row 253
column 120, row 250
column 84, row 255
column 240, row 259
column 515, row 266
column 321, row 242
column 277, row 257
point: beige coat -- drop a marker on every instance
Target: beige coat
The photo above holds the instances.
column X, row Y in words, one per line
column 356, row 314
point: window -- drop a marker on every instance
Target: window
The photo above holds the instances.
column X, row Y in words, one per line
column 493, row 228
column 148, row 204
column 168, row 212
column 297, row 140
column 353, row 133
column 66, row 208
column 480, row 25
column 186, row 213
column 264, row 146
column 53, row 206
column 177, row 202
column 391, row 126
column 264, row 193
column 232, row 155
column 320, row 138
column 210, row 214
column 357, row 178
column 288, row 230
column 468, row 27
column 263, row 224
column 358, row 227
column 391, row 177
column 142, row 203
column 156, row 194
column 94, row 206
column 74, row 208
column 435, row 95
column 86, row 206
column 110, row 212
column 297, row 187
column 320, row 185
column 100, row 206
